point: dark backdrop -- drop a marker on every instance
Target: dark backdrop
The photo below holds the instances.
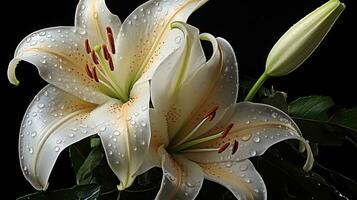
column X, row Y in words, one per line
column 252, row 27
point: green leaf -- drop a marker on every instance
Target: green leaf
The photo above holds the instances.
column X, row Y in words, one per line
column 77, row 158
column 85, row 173
column 311, row 107
column 313, row 115
column 346, row 118
column 88, row 192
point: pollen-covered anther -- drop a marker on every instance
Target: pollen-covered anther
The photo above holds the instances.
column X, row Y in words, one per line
column 111, row 65
column 94, row 74
column 89, row 73
column 223, row 148
column 94, row 57
column 105, row 52
column 111, row 39
column 87, row 46
column 227, row 129
column 211, row 113
column 235, row 147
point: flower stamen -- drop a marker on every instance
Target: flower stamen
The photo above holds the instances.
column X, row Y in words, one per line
column 87, row 46
column 94, row 73
column 89, row 73
column 235, row 147
column 227, row 129
column 223, row 148
column 111, row 39
column 211, row 113
column 94, row 57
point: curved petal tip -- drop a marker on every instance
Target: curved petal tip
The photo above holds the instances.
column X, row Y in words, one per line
column 11, row 75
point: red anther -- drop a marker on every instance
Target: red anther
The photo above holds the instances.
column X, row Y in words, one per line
column 105, row 52
column 109, row 30
column 111, row 42
column 223, row 148
column 94, row 73
column 87, row 46
column 235, row 147
column 227, row 129
column 94, row 57
column 89, row 73
column 211, row 113
column 111, row 65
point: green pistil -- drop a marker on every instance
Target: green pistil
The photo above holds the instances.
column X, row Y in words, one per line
column 193, row 143
column 121, row 95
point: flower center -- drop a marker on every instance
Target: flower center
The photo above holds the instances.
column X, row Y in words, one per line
column 103, row 67
column 187, row 144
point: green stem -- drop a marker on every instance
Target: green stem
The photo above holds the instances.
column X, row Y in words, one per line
column 256, row 87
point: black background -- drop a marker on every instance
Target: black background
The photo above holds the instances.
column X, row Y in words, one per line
column 252, row 27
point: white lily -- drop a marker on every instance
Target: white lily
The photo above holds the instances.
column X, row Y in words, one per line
column 198, row 131
column 100, row 90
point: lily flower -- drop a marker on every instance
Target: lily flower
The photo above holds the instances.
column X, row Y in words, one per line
column 98, row 74
column 200, row 132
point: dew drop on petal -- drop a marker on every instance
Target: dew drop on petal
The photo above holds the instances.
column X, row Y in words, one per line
column 57, row 149
column 246, row 137
column 274, row 115
column 253, row 153
column 243, row 167
column 256, row 139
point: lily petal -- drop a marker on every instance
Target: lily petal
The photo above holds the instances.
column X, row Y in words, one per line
column 256, row 128
column 159, row 137
column 95, row 17
column 221, row 90
column 240, row 178
column 60, row 57
column 182, row 179
column 145, row 38
column 53, row 121
column 124, row 130
column 175, row 70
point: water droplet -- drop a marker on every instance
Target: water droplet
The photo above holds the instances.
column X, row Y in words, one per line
column 28, row 40
column 33, row 43
column 132, row 122
column 247, row 180
column 74, row 129
column 128, row 118
column 256, row 190
column 178, row 40
column 243, row 167
column 246, row 137
column 57, row 149
column 129, row 22
column 116, row 133
column 110, row 152
column 25, row 169
column 135, row 17
column 247, row 122
column 82, row 32
column 33, row 134
column 143, row 124
column 228, row 164
column 189, row 184
column 135, row 148
column 253, row 153
column 31, row 150
column 102, row 129
column 274, row 115
column 143, row 143
column 159, row 9
column 114, row 139
column 136, row 114
column 84, row 131
column 117, row 162
column 256, row 139
column 21, row 157
column 71, row 135
column 29, row 122
column 59, row 141
column 186, row 194
column 83, row 7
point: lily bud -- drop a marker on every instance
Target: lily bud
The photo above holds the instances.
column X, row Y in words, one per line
column 301, row 40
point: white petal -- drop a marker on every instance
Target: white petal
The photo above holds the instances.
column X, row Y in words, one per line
column 173, row 72
column 125, row 133
column 182, row 179
column 214, row 84
column 95, row 17
column 159, row 138
column 145, row 37
column 240, row 178
column 256, row 128
column 53, row 121
column 59, row 55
